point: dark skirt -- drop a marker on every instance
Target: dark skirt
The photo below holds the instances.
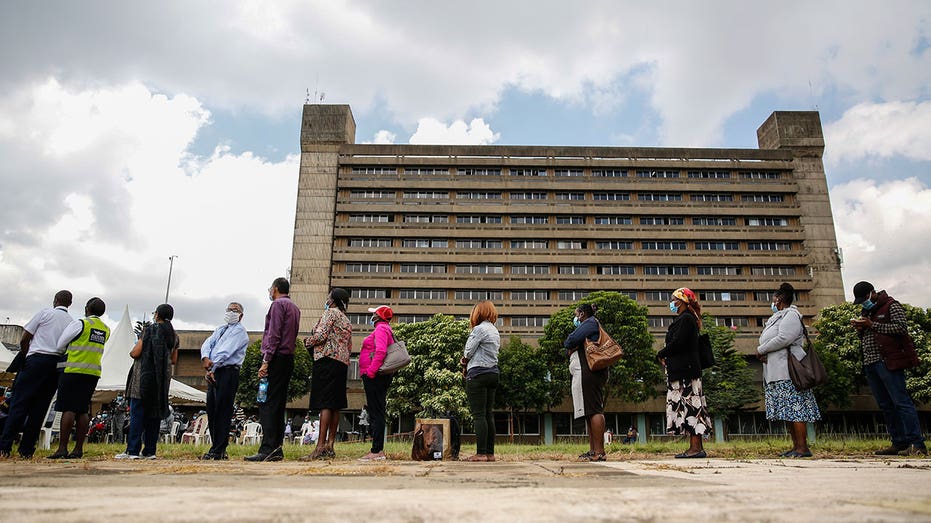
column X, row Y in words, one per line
column 74, row 392
column 588, row 387
column 328, row 384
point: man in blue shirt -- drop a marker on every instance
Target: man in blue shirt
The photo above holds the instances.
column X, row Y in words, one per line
column 222, row 355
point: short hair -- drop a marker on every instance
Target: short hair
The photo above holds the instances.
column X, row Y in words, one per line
column 95, row 307
column 282, row 285
column 241, row 309
column 483, row 311
column 785, row 293
column 63, row 298
column 588, row 309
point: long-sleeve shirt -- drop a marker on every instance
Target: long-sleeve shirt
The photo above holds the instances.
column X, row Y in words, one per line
column 374, row 348
column 897, row 325
column 71, row 333
column 332, row 337
column 783, row 330
column 481, row 349
column 281, row 325
column 226, row 346
column 46, row 328
column 588, row 329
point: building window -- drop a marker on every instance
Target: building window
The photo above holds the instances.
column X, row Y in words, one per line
column 718, row 270
column 477, row 268
column 573, row 269
column 424, row 243
column 714, row 220
column 479, row 244
column 767, row 222
column 478, row 195
column 659, row 197
column 663, row 246
column 614, row 245
column 422, row 294
column 711, row 197
column 427, row 171
column 529, row 321
column 368, row 294
column 569, row 172
column 722, row 296
column 662, row 220
column 666, row 270
column 528, row 196
column 530, row 295
column 530, row 219
column 371, row 194
column 370, row 242
column 709, row 174
column 411, row 318
column 656, row 322
column 357, row 318
column 611, row 196
column 762, row 198
column 479, row 218
column 760, row 175
column 769, row 246
column 609, row 173
column 616, row 269
column 530, row 244
column 773, row 271
column 613, row 220
column 573, row 295
column 426, row 195
column 426, row 218
column 570, row 244
column 471, row 295
column 575, row 196
column 528, row 171
column 659, row 296
column 657, row 173
column 717, row 246
column 374, row 170
column 478, row 171
column 731, row 322
column 570, row 220
column 530, row 269
column 423, row 268
column 369, row 218
column 368, row 267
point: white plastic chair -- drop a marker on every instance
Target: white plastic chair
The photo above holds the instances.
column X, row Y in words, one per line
column 252, row 432
column 305, row 430
column 173, row 432
column 196, row 432
column 45, row 433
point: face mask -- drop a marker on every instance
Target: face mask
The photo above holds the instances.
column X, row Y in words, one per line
column 231, row 317
column 326, row 306
column 372, row 320
column 868, row 304
column 576, row 322
column 271, row 298
column 673, row 308
column 774, row 308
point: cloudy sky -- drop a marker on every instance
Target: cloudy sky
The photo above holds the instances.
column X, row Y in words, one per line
column 133, row 131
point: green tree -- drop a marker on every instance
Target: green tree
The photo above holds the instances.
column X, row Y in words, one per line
column 636, row 377
column 249, row 374
column 525, row 384
column 432, row 384
column 728, row 385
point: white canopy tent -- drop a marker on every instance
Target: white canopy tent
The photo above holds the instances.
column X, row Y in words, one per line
column 6, row 357
column 117, row 362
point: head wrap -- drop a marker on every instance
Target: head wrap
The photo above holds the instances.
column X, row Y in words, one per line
column 685, row 294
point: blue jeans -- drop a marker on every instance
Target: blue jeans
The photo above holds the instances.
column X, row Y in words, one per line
column 888, row 388
column 141, row 429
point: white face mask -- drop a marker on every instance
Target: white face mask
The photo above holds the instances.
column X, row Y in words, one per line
column 231, row 317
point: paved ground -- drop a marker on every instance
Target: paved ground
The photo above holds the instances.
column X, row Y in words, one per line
column 667, row 490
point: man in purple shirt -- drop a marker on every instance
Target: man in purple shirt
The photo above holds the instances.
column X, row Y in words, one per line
column 281, row 325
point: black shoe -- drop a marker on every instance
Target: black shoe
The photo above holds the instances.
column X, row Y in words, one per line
column 686, row 455
column 275, row 456
column 58, row 455
column 889, row 451
column 75, row 455
column 914, row 450
column 220, row 457
column 208, row 456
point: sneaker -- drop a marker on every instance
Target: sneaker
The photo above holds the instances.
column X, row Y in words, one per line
column 124, row 455
column 914, row 450
column 889, row 451
column 373, row 457
column 151, row 457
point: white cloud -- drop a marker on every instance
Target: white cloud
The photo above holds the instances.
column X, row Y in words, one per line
column 884, row 229
column 432, row 131
column 383, row 137
column 880, row 130
column 110, row 192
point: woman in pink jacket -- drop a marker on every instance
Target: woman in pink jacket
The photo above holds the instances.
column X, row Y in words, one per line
column 371, row 356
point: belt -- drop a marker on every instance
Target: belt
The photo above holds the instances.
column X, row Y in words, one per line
column 227, row 367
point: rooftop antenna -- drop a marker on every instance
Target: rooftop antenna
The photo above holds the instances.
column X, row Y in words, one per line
column 322, row 96
column 307, row 97
column 811, row 95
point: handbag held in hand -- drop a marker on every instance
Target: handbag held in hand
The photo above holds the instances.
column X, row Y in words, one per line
column 808, row 372
column 604, row 352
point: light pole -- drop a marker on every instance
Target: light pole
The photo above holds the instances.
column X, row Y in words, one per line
column 171, row 264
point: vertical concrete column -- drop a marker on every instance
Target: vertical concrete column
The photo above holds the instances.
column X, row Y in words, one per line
column 548, row 437
column 641, row 427
column 324, row 129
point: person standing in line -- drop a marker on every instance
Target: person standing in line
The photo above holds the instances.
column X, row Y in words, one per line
column 480, row 360
column 881, row 327
column 278, row 342
column 148, row 383
column 330, row 344
column 83, row 341
column 117, row 417
column 783, row 334
column 686, row 409
column 222, row 355
column 588, row 386
column 37, row 381
column 371, row 356
column 364, row 413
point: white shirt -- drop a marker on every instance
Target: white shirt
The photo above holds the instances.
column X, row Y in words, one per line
column 46, row 328
column 71, row 332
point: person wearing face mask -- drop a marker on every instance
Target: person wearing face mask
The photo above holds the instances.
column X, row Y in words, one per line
column 686, row 409
column 222, row 355
column 371, row 355
column 782, row 334
column 330, row 343
column 588, row 387
column 881, row 327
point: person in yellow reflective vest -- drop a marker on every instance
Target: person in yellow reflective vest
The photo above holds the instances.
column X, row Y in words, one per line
column 80, row 371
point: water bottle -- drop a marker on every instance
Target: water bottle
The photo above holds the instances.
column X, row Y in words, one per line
column 263, row 391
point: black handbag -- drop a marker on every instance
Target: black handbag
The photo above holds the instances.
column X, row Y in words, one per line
column 807, row 372
column 705, row 352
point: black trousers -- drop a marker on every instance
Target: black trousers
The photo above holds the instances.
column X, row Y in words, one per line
column 35, row 386
column 220, row 398
column 271, row 413
column 376, row 396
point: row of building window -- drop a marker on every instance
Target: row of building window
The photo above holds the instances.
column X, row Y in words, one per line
column 647, row 270
column 542, row 295
column 571, row 172
column 673, row 245
column 572, row 196
column 534, row 219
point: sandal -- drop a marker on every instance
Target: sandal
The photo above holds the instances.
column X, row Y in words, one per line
column 595, row 457
column 477, row 458
column 699, row 454
column 586, row 455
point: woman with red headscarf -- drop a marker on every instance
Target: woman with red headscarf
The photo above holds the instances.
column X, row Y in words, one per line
column 686, row 410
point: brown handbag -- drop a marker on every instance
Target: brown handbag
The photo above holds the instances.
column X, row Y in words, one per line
column 808, row 372
column 603, row 353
